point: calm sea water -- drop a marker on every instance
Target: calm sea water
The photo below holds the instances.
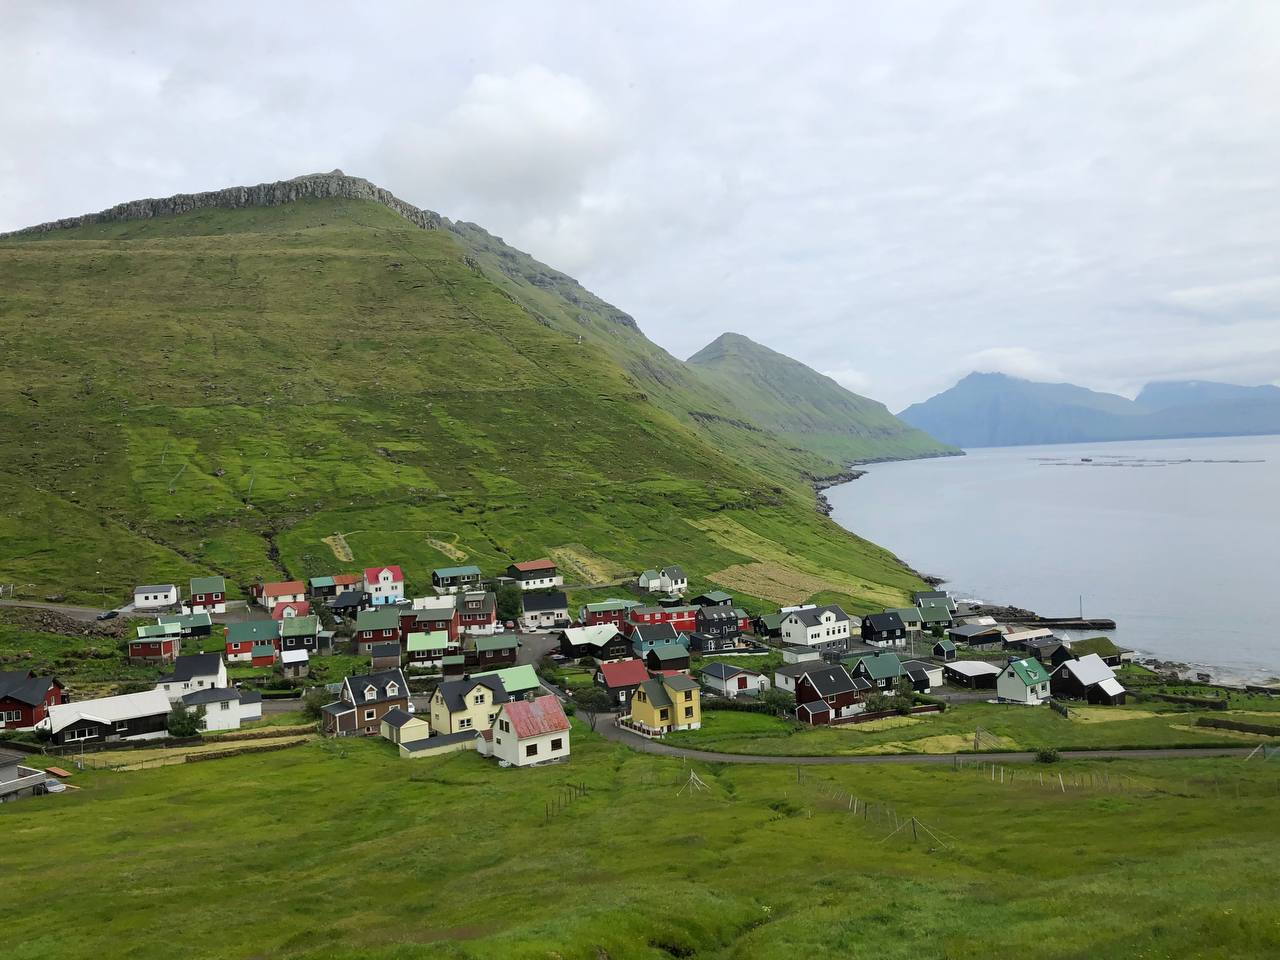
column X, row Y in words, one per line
column 1182, row 555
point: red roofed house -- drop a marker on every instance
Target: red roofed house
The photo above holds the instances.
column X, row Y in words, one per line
column 384, row 585
column 284, row 591
column 526, row 732
column 683, row 618
column 25, row 699
column 535, row 574
column 619, row 678
column 292, row 608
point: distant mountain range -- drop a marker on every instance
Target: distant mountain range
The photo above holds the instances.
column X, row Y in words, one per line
column 810, row 410
column 992, row 410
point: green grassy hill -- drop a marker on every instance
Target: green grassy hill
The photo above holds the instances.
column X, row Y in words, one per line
column 234, row 389
column 811, row 410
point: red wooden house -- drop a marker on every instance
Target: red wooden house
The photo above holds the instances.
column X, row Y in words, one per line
column 290, row 608
column 684, row 618
column 478, row 612
column 25, row 699
column 432, row 615
column 155, row 644
column 606, row 611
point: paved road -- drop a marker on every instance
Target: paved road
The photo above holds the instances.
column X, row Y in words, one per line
column 535, row 646
column 605, row 727
column 75, row 613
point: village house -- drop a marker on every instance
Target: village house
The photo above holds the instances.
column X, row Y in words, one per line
column 606, row 611
column 518, row 682
column 826, row 628
column 348, row 603
column 619, row 679
column 600, row 642
column 400, row 726
column 647, row 636
column 363, row 701
column 264, row 655
column 881, row 670
column 665, row 657
column 1089, row 678
column 828, row 694
column 667, row 703
column 130, row 716
column 208, row 595
column 326, row 589
column 454, row 579
column 944, row 649
column 800, row 654
column 384, row 585
column 155, row 596
column 159, row 642
column 730, row 681
column 495, row 651
column 18, row 780
column 242, row 637
column 785, row 675
column 222, row 707
column 528, row 732
column 912, row 623
column 290, row 608
column 713, row 598
column 923, row 598
column 300, row 633
column 535, row 574
column 198, row 671
column 543, row 611
column 923, row 674
column 671, row 579
column 433, row 615
column 376, row 625
column 295, row 664
column 478, row 612
column 282, row 591
column 977, row 674
column 884, row 630
column 1023, row 681
column 717, row 629
column 935, row 616
column 384, row 656
column 1104, row 647
column 470, row 704
column 977, row 635
column 770, row 625
column 25, row 698
column 683, row 618
column 426, row 651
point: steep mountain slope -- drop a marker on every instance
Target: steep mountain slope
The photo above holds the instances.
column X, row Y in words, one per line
column 812, row 411
column 322, row 382
column 991, row 409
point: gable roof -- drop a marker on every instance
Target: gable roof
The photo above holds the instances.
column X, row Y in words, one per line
column 649, row 575
column 22, row 686
column 719, row 611
column 253, row 630
column 725, row 671
column 317, row 582
column 812, row 616
column 717, row 596
column 674, row 572
column 1102, row 646
column 454, row 692
column 441, row 573
column 668, row 651
column 396, row 717
column 154, row 588
column 435, row 640
column 193, row 665
column 881, row 666
column 794, row 670
column 307, row 626
column 607, row 606
column 906, row 614
column 680, row 682
column 514, row 680
column 656, row 693
column 935, row 615
column 624, row 673
column 972, row 668
column 375, row 573
column 1089, row 669
column 385, row 617
column 544, row 602
column 1030, row 671
column 532, row 718
column 379, row 680
column 528, row 566
column 830, row 680
column 208, row 585
column 281, row 587
column 126, row 706
column 210, row 695
column 653, row 633
column 772, row 621
column 497, row 641
column 300, row 608
column 881, row 622
column 596, row 635
column 946, row 645
column 380, row 651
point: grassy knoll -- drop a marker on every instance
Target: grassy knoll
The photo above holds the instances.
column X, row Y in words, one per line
column 1025, row 728
column 247, row 391
column 254, row 856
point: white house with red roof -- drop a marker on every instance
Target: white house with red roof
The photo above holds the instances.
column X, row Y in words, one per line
column 384, row 585
column 526, row 732
column 620, row 678
column 292, row 608
column 281, row 591
column 535, row 574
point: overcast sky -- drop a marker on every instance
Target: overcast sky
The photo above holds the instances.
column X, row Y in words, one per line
column 895, row 194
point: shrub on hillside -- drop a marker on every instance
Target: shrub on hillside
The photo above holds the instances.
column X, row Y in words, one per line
column 1047, row 755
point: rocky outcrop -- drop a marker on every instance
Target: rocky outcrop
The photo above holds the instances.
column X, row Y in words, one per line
column 314, row 185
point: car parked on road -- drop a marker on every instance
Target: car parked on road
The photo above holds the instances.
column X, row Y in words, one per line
column 108, row 614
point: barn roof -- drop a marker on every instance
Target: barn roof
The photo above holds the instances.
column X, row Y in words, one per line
column 531, row 718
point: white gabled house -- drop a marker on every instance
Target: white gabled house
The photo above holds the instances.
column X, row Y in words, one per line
column 1023, row 681
column 384, row 585
column 822, row 627
column 155, row 596
column 225, row 708
column 197, row 671
column 526, row 732
column 670, row 579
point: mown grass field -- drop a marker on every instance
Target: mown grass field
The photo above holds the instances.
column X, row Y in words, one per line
column 345, row 851
column 228, row 391
column 1145, row 724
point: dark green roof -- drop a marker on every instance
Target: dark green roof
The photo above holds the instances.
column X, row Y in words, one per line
column 669, row 651
column 252, row 630
column 946, row 645
column 656, row 693
column 307, row 626
column 1030, row 671
column 882, row 666
column 496, row 642
column 208, row 585
column 378, row 618
column 1102, row 646
column 456, row 571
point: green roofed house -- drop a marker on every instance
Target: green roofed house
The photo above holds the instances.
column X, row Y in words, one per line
column 667, row 656
column 935, row 616
column 944, row 649
column 1023, row 681
column 1104, row 647
column 770, row 625
column 881, row 670
column 455, row 579
column 264, row 654
column 300, row 633
column 517, row 681
column 242, row 637
column 496, row 651
column 377, row 625
column 427, row 650
column 912, row 622
column 208, row 595
column 712, row 598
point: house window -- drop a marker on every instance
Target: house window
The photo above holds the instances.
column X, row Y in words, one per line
column 688, row 695
column 393, row 689
column 504, row 726
column 478, row 698
column 289, row 642
column 370, row 693
column 370, row 714
column 688, row 712
column 664, row 714
column 7, row 716
column 531, row 750
column 122, row 726
column 85, row 734
column 464, row 723
column 557, row 744
column 225, row 705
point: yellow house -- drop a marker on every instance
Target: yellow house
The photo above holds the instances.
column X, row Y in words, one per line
column 667, row 703
column 461, row 705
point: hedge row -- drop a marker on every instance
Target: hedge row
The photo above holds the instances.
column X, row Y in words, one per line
column 1224, row 723
column 742, row 706
column 261, row 748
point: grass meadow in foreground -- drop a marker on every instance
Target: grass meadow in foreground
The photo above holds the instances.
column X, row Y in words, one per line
column 344, row 850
